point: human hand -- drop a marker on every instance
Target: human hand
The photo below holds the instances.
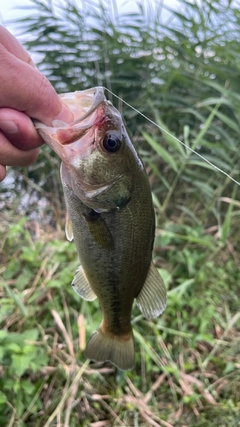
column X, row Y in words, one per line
column 25, row 93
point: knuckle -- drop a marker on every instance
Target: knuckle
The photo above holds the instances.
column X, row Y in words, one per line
column 10, row 155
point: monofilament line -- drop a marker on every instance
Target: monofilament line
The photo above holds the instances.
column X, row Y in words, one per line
column 178, row 140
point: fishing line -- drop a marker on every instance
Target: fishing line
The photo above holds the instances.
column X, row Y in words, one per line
column 176, row 139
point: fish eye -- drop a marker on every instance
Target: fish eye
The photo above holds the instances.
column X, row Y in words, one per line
column 111, row 143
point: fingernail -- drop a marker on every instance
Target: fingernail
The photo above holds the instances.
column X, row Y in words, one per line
column 8, row 126
column 65, row 115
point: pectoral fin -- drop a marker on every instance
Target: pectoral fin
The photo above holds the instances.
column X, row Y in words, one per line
column 152, row 299
column 82, row 287
column 99, row 230
column 68, row 228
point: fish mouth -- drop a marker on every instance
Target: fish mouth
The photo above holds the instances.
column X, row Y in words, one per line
column 87, row 100
column 91, row 110
column 84, row 105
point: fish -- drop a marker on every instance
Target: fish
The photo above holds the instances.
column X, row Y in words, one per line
column 110, row 216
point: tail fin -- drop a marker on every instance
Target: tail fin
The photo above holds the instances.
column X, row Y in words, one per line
column 116, row 349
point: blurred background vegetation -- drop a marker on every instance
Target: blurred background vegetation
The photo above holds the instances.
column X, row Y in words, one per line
column 180, row 68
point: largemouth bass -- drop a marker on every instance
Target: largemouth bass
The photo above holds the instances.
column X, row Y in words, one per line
column 110, row 217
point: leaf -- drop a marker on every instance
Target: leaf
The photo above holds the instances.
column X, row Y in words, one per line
column 213, row 101
column 13, row 347
column 16, row 299
column 229, row 122
column 171, row 139
column 180, row 290
column 3, row 398
column 23, row 279
column 168, row 158
column 226, row 227
column 2, row 352
column 20, row 363
column 30, row 334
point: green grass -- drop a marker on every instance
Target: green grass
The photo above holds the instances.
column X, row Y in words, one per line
column 187, row 371
column 187, row 362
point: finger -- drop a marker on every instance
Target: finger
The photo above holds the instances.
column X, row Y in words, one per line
column 19, row 129
column 3, row 172
column 31, row 92
column 13, row 46
column 12, row 156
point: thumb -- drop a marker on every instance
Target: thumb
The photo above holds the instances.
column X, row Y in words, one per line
column 25, row 89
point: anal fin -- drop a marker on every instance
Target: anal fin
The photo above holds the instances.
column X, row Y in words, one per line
column 152, row 299
column 82, row 287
